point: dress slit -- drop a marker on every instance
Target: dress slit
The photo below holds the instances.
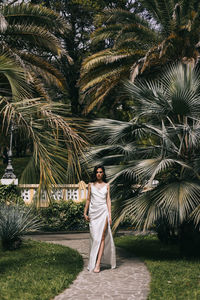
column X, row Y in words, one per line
column 98, row 246
column 101, row 239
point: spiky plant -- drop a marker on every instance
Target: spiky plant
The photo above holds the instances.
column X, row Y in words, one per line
column 15, row 221
column 165, row 31
column 160, row 145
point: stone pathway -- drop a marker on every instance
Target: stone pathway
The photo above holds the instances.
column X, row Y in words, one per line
column 129, row 281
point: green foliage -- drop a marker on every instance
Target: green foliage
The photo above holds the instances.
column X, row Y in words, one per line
column 184, row 236
column 10, row 194
column 63, row 215
column 18, row 163
column 153, row 160
column 29, row 31
column 138, row 41
column 81, row 16
column 13, row 74
column 15, row 221
column 88, row 4
column 68, row 215
column 44, row 123
column 126, row 224
column 189, row 240
column 54, row 137
column 167, row 234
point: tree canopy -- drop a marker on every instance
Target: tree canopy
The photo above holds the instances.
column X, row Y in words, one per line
column 153, row 161
column 138, row 41
column 30, row 35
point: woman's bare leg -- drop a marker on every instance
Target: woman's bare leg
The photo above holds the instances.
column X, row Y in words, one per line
column 101, row 247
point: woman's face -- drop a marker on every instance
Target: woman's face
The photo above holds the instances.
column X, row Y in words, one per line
column 99, row 174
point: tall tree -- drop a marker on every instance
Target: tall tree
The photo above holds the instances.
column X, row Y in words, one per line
column 56, row 137
column 80, row 15
column 159, row 146
column 138, row 42
column 28, row 35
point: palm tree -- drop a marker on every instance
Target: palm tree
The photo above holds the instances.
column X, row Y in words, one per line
column 140, row 43
column 154, row 160
column 12, row 83
column 30, row 35
column 56, row 137
column 12, row 80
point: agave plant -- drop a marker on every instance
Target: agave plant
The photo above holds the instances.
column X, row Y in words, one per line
column 165, row 32
column 15, row 221
column 160, row 145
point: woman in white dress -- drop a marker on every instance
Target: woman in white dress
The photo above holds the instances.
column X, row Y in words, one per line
column 102, row 248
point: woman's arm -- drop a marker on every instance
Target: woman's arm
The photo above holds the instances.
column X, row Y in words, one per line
column 109, row 205
column 87, row 203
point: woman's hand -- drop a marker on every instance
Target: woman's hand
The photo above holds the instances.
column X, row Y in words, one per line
column 110, row 220
column 86, row 218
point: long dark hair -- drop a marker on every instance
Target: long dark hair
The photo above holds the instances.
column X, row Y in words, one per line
column 94, row 177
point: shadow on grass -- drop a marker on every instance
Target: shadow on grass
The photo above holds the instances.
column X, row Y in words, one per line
column 173, row 277
column 149, row 247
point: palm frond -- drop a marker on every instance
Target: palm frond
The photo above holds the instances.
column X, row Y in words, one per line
column 30, row 31
column 35, row 35
column 43, row 68
column 35, row 14
column 161, row 11
column 3, row 23
column 174, row 201
column 56, row 153
column 161, row 144
column 15, row 76
column 160, row 40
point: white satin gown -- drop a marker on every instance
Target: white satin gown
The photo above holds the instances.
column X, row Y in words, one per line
column 98, row 212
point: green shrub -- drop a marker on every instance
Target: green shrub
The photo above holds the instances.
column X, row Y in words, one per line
column 186, row 236
column 126, row 223
column 10, row 194
column 166, row 234
column 15, row 221
column 63, row 215
column 189, row 240
column 68, row 215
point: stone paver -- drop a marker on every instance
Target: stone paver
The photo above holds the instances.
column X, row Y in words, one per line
column 129, row 281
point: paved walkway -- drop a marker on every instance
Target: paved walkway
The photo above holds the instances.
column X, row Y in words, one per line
column 129, row 281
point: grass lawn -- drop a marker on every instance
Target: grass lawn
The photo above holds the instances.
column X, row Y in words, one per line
column 37, row 271
column 172, row 277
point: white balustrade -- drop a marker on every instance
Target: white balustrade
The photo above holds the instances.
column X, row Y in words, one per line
column 75, row 192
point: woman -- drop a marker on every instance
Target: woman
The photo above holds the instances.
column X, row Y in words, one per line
column 102, row 248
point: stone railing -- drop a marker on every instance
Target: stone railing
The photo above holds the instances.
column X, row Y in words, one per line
column 75, row 192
